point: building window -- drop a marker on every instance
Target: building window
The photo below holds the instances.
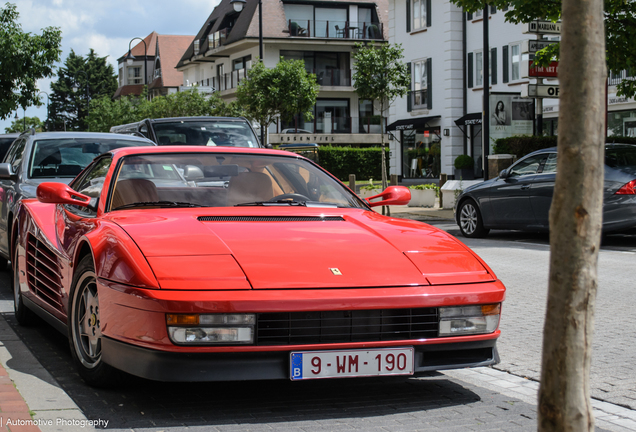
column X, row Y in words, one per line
column 420, row 83
column 420, row 14
column 515, row 62
column 479, row 69
column 134, row 75
column 241, row 63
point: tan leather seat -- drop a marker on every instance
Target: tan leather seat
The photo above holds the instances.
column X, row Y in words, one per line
column 249, row 187
column 134, row 190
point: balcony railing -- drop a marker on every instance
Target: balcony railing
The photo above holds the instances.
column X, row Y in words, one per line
column 339, row 125
column 336, row 29
column 227, row 81
column 615, row 78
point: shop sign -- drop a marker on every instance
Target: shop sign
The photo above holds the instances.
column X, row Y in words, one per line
column 543, row 72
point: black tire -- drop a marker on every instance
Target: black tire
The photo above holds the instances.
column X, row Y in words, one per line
column 3, row 264
column 84, row 333
column 469, row 219
column 25, row 316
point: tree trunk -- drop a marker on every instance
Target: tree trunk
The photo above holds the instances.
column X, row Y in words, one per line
column 575, row 222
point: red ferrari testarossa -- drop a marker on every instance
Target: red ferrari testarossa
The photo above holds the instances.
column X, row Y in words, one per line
column 210, row 264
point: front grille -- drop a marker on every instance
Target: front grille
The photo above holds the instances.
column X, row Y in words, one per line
column 291, row 328
column 270, row 218
column 43, row 272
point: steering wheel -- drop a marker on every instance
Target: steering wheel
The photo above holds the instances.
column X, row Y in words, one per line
column 292, row 196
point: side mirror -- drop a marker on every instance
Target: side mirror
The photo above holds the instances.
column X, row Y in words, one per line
column 393, row 195
column 6, row 172
column 504, row 174
column 60, row 193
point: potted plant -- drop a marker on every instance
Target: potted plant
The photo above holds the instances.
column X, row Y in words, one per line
column 423, row 195
column 369, row 189
column 464, row 167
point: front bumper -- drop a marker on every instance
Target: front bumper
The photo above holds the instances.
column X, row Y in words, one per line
column 135, row 337
column 202, row 367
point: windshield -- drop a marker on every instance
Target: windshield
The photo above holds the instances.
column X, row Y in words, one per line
column 205, row 132
column 67, row 157
column 620, row 156
column 225, row 180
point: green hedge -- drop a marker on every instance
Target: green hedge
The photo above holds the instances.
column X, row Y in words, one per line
column 365, row 163
column 522, row 145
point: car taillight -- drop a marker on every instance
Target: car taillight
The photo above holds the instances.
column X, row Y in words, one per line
column 628, row 189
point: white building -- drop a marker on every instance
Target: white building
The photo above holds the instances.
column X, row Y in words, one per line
column 444, row 49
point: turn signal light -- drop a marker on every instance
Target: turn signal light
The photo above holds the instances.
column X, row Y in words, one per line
column 180, row 319
column 627, row 189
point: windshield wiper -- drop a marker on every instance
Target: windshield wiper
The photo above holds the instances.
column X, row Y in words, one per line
column 158, row 204
column 273, row 203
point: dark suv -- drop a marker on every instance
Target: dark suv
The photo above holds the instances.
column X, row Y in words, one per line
column 207, row 131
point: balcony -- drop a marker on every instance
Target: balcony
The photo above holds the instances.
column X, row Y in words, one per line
column 217, row 39
column 336, row 29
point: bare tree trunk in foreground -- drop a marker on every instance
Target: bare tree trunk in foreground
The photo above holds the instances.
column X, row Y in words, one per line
column 575, row 222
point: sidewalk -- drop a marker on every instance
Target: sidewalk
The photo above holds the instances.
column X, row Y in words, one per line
column 420, row 213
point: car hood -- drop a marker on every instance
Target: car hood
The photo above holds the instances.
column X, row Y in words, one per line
column 281, row 249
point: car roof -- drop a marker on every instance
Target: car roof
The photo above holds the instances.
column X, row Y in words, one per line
column 102, row 135
column 125, row 151
column 10, row 135
column 174, row 119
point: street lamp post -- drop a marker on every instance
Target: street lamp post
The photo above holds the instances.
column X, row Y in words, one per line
column 238, row 7
column 76, row 87
column 131, row 58
column 47, row 108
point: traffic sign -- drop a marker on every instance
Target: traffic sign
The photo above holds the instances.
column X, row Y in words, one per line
column 540, row 91
column 532, row 46
column 543, row 27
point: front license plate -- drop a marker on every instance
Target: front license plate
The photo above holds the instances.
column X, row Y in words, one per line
column 353, row 363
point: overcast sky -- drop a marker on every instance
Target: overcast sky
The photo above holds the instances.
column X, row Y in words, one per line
column 107, row 26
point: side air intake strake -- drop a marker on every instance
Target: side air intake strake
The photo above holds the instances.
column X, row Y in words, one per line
column 43, row 272
column 270, row 218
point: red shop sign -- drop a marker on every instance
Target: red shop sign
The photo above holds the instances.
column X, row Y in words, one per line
column 545, row 72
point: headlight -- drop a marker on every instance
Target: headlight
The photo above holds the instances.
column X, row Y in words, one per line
column 469, row 320
column 211, row 329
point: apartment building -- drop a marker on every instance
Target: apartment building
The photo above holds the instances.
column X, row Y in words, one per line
column 320, row 33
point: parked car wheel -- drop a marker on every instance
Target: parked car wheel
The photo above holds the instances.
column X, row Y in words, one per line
column 84, row 328
column 23, row 314
column 471, row 223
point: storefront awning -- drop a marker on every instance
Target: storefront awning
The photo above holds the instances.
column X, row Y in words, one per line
column 469, row 119
column 412, row 124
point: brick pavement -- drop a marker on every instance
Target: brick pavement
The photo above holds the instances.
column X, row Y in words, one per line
column 14, row 412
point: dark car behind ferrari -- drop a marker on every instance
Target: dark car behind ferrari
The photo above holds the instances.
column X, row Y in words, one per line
column 520, row 198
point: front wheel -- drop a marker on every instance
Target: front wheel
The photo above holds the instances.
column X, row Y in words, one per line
column 84, row 326
column 471, row 223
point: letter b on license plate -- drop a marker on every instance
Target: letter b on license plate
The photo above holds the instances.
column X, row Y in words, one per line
column 351, row 363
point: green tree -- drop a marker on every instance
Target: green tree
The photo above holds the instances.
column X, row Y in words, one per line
column 17, row 126
column 620, row 30
column 283, row 91
column 381, row 76
column 105, row 112
column 24, row 58
column 92, row 70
